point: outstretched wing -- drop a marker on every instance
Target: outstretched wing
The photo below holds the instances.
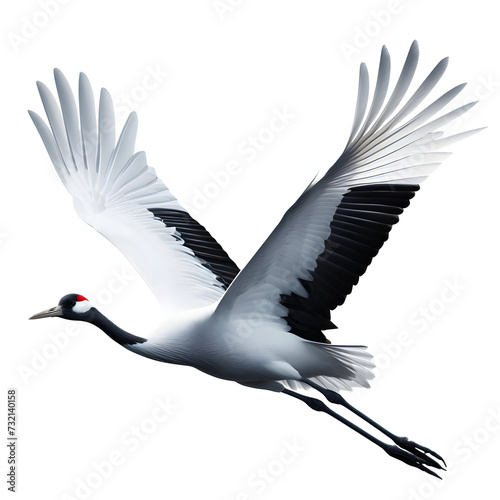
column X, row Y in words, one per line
column 117, row 193
column 327, row 239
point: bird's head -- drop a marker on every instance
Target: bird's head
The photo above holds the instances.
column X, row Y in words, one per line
column 78, row 308
column 71, row 306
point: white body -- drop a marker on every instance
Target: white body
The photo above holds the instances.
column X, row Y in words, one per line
column 258, row 357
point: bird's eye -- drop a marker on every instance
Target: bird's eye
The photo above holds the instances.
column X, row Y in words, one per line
column 72, row 303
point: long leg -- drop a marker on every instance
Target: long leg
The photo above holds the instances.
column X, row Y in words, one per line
column 418, row 460
column 402, row 442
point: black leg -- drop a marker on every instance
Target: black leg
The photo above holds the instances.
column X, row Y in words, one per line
column 418, row 460
column 402, row 442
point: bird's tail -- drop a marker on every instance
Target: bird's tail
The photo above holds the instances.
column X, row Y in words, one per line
column 351, row 367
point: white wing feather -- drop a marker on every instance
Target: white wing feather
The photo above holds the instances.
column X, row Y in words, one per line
column 114, row 191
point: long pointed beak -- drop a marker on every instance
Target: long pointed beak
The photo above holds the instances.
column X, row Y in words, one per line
column 53, row 312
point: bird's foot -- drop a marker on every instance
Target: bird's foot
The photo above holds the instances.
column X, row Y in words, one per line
column 415, row 455
column 417, row 449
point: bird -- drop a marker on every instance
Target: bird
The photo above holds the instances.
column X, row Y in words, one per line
column 262, row 326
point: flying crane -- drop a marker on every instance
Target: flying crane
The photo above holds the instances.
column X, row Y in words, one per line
column 303, row 271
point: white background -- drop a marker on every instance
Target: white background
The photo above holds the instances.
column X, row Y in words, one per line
column 220, row 75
